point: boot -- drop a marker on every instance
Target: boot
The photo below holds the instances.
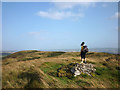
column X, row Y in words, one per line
column 82, row 61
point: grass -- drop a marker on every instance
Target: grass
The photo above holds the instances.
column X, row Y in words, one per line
column 43, row 68
column 91, row 62
column 65, row 71
column 54, row 54
column 21, row 53
column 100, row 70
column 84, row 75
column 111, row 75
column 26, row 59
column 33, row 78
column 82, row 83
column 30, row 78
column 50, row 68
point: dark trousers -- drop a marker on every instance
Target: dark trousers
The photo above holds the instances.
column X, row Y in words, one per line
column 83, row 55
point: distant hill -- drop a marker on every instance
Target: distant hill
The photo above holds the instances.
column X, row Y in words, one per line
column 38, row 69
column 3, row 54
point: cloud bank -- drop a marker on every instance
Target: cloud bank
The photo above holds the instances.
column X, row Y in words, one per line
column 60, row 11
column 57, row 15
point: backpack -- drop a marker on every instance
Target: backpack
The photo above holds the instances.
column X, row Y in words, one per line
column 85, row 49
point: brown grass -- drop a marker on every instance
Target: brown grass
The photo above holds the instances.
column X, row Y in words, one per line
column 32, row 69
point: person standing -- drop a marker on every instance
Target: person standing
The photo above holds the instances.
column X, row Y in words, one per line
column 83, row 52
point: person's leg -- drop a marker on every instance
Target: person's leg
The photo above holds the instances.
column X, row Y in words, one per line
column 82, row 57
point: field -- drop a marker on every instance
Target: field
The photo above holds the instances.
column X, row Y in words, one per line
column 39, row 69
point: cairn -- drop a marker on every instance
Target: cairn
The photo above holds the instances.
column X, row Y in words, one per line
column 83, row 68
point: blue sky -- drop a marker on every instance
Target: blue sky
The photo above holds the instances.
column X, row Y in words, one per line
column 50, row 25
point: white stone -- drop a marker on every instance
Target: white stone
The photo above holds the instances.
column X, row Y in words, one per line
column 82, row 68
column 77, row 72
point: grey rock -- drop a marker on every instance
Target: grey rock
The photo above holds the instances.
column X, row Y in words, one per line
column 83, row 68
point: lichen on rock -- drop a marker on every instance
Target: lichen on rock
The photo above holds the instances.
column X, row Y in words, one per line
column 83, row 68
column 74, row 69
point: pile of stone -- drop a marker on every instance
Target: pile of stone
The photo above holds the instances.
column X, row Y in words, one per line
column 83, row 68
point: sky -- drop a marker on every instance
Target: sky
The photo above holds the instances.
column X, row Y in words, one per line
column 59, row 25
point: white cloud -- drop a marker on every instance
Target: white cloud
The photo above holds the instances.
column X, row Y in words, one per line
column 62, row 10
column 58, row 15
column 116, row 15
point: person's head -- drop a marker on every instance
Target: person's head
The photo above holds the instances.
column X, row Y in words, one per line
column 82, row 43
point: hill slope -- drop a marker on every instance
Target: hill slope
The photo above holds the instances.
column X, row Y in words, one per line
column 38, row 69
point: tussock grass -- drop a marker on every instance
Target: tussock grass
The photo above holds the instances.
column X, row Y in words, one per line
column 26, row 59
column 21, row 53
column 51, row 68
column 39, row 69
column 33, row 77
column 54, row 54
column 82, row 83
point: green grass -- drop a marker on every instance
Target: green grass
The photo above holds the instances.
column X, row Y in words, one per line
column 50, row 68
column 65, row 71
column 84, row 75
column 64, row 80
column 44, row 72
column 100, row 70
column 111, row 75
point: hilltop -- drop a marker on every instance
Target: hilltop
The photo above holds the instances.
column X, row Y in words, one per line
column 38, row 69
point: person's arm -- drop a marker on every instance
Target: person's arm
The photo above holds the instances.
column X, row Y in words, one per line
column 81, row 49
